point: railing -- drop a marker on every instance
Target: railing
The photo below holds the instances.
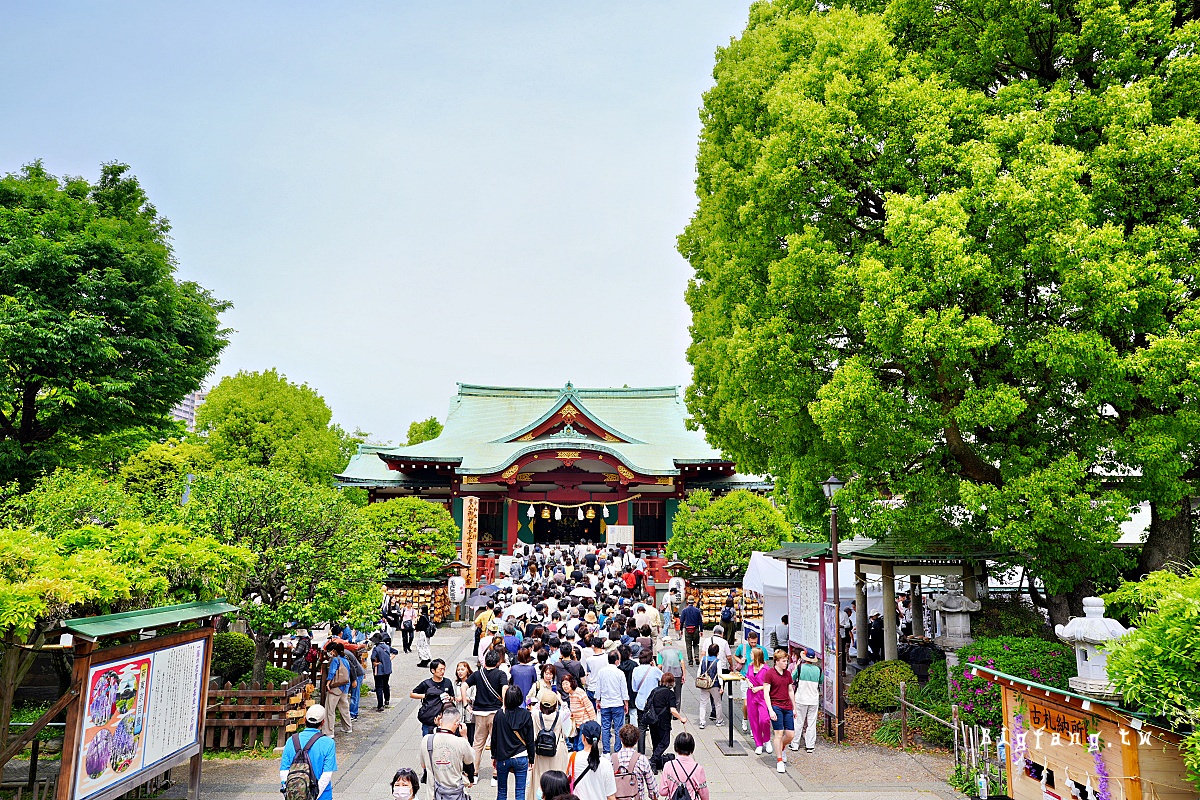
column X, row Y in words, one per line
column 30, row 784
column 974, row 753
column 243, row 716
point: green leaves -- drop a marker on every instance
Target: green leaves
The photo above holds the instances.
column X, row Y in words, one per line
column 717, row 537
column 1154, row 666
column 260, row 419
column 950, row 251
column 418, row 537
column 96, row 334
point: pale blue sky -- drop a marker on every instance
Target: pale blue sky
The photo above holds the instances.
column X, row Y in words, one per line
column 396, row 196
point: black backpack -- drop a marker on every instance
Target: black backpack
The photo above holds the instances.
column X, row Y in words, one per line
column 681, row 789
column 546, row 741
column 727, row 614
column 431, row 707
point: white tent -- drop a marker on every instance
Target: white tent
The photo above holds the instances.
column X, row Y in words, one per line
column 766, row 578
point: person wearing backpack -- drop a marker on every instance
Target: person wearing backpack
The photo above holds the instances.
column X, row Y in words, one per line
column 309, row 761
column 552, row 729
column 512, row 744
column 682, row 777
column 709, row 684
column 435, row 693
column 337, row 690
column 381, row 665
column 661, row 707
column 590, row 774
column 635, row 779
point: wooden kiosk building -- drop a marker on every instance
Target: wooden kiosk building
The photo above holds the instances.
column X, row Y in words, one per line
column 555, row 464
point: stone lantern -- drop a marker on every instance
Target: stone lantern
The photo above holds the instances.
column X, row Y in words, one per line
column 1087, row 634
column 955, row 611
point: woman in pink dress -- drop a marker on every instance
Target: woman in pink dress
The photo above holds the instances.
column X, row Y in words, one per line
column 756, row 702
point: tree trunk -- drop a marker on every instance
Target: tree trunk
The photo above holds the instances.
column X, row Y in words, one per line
column 1169, row 539
column 1061, row 607
column 15, row 663
column 263, row 642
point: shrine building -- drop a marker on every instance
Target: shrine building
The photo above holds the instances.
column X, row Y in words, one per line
column 555, row 465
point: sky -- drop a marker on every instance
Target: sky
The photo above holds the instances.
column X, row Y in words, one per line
column 396, row 196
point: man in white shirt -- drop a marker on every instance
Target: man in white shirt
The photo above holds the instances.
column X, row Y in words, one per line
column 596, row 658
column 612, row 696
column 724, row 658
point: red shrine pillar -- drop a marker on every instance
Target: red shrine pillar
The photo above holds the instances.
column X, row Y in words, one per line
column 511, row 525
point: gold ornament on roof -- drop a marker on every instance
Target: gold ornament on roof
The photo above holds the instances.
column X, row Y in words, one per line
column 470, row 479
column 568, row 413
column 508, row 473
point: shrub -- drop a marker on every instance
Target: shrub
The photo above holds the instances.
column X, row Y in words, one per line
column 233, row 655
column 877, row 687
column 1049, row 663
column 275, row 675
column 888, row 733
column 1009, row 616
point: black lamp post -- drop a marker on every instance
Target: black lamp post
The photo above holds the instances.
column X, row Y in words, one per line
column 831, row 486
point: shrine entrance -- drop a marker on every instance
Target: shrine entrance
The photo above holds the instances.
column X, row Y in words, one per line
column 568, row 530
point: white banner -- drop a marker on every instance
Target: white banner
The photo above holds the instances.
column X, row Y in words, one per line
column 804, row 607
column 620, row 534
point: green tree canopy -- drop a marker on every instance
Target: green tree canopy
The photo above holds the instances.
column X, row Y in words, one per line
column 96, row 334
column 975, row 296
column 84, row 550
column 315, row 561
column 261, row 419
column 157, row 474
column 424, row 431
column 1155, row 666
column 716, row 537
column 419, row 538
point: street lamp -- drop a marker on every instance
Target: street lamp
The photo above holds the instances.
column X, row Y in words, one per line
column 831, row 486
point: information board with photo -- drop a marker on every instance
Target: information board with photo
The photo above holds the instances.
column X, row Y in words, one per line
column 138, row 712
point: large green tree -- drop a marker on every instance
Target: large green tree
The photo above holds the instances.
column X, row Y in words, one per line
column 75, row 546
column 974, row 296
column 419, row 538
column 315, row 561
column 424, row 430
column 261, row 419
column 97, row 336
column 716, row 537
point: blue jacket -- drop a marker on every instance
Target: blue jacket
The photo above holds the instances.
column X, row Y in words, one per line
column 691, row 617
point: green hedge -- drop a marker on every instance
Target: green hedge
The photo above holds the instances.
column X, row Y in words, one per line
column 1009, row 616
column 275, row 675
column 877, row 687
column 233, row 655
column 1049, row 663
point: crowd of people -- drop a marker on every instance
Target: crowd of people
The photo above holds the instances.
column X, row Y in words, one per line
column 575, row 686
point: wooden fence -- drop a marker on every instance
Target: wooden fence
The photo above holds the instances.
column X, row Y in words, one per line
column 247, row 716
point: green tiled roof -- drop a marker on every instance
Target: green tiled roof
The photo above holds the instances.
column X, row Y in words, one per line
column 483, row 421
column 146, row 619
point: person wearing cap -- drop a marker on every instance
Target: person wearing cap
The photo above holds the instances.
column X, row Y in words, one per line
column 808, row 698
column 322, row 754
column 550, row 715
column 743, row 655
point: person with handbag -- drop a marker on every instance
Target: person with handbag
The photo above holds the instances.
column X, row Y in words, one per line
column 489, row 684
column 591, row 775
column 444, row 756
column 435, row 693
column 512, row 744
column 709, row 684
column 408, row 623
column 553, row 728
column 337, row 690
column 422, row 628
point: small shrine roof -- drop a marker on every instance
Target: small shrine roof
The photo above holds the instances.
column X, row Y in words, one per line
column 646, row 428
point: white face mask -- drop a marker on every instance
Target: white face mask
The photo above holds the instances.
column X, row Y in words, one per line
column 402, row 791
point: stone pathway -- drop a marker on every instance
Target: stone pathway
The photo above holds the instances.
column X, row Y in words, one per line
column 381, row 743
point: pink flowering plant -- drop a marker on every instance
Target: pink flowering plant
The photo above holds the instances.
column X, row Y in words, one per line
column 1048, row 663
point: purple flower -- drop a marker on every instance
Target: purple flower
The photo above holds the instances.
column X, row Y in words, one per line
column 1006, row 647
column 1035, row 673
column 966, row 673
column 969, row 707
